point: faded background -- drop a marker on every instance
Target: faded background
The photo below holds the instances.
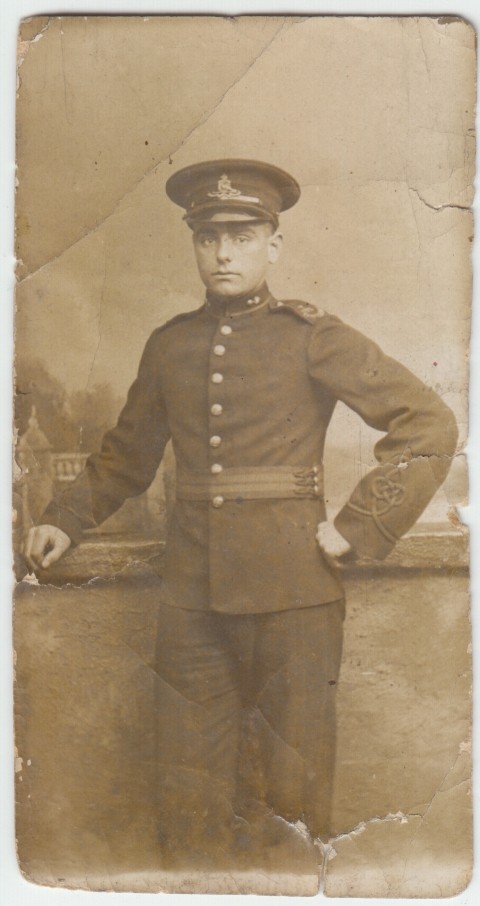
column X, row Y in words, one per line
column 374, row 117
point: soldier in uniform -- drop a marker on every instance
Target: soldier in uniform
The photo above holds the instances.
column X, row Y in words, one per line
column 252, row 606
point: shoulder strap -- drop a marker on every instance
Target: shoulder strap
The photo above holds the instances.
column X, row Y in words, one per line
column 304, row 310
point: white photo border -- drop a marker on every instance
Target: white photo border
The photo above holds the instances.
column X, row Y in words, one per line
column 14, row 889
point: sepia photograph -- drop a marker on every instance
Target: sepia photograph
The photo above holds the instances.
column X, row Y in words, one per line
column 242, row 615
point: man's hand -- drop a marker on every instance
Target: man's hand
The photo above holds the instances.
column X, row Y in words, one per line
column 45, row 545
column 332, row 543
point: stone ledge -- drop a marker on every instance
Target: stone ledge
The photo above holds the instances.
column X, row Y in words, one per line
column 428, row 548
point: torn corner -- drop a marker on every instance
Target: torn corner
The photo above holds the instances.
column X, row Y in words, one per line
column 31, row 30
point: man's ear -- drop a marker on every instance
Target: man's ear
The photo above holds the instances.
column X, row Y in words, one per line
column 275, row 244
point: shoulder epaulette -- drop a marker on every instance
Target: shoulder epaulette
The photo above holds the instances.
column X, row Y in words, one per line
column 183, row 316
column 304, row 310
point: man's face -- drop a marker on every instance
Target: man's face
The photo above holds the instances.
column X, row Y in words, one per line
column 233, row 258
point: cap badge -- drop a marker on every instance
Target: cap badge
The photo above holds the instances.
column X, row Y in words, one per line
column 225, row 189
column 226, row 192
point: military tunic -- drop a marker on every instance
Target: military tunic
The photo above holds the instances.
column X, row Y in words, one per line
column 246, row 391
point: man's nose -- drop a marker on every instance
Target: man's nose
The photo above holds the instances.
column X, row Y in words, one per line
column 224, row 249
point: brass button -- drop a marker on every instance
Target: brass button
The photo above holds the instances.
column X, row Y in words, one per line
column 218, row 501
column 216, row 468
column 226, row 330
column 216, row 409
column 217, row 378
column 219, row 350
column 215, row 441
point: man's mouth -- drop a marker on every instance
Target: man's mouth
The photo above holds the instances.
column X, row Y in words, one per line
column 224, row 274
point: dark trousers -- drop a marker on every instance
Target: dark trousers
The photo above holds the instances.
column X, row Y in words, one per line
column 246, row 716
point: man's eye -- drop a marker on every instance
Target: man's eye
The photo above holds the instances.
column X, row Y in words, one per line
column 241, row 239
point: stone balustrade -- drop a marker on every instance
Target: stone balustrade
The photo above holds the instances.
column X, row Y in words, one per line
column 66, row 466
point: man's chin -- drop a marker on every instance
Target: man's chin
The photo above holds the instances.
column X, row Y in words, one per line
column 229, row 288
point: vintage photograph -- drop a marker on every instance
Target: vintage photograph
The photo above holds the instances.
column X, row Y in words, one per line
column 242, row 634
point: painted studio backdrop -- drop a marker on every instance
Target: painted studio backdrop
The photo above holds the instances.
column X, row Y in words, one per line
column 374, row 118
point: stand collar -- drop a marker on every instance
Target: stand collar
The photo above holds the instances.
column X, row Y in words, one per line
column 222, row 307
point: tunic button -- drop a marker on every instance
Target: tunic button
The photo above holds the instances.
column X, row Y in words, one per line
column 216, row 468
column 218, row 501
column 215, row 441
column 217, row 378
column 216, row 409
column 219, row 350
column 226, row 330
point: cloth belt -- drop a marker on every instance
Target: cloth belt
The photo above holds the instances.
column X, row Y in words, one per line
column 252, row 483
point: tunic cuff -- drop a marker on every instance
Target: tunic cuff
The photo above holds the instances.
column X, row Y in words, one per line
column 363, row 534
column 64, row 519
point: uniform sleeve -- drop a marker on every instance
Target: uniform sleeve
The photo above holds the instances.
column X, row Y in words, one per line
column 420, row 437
column 127, row 462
